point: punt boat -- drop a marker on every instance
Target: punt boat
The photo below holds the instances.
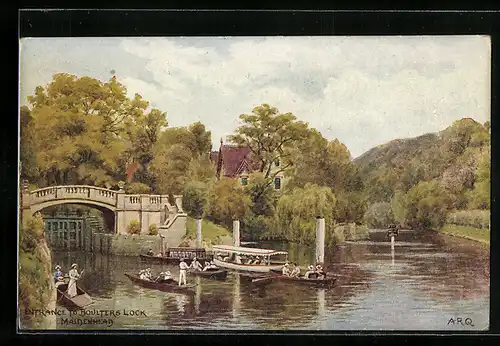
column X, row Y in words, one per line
column 81, row 300
column 161, row 286
column 174, row 255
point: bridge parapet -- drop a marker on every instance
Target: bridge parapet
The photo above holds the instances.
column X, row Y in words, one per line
column 82, row 192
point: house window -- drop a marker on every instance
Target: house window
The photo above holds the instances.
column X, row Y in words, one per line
column 244, row 181
column 277, row 183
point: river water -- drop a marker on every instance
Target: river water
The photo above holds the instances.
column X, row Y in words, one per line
column 426, row 283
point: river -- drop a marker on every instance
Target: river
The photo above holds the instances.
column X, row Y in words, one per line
column 426, row 283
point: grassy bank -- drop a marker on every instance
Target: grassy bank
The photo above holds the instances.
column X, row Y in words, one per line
column 481, row 235
column 211, row 233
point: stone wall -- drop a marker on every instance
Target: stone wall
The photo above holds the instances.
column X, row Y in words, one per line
column 126, row 245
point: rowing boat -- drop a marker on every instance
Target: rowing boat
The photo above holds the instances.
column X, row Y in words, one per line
column 161, row 286
column 217, row 274
column 326, row 282
column 81, row 300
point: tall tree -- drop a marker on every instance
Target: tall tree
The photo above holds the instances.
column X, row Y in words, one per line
column 270, row 135
column 79, row 129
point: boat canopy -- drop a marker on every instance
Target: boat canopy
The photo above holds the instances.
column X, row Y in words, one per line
column 248, row 250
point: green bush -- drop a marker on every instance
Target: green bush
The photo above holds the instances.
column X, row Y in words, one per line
column 137, row 188
column 427, row 205
column 153, row 229
column 195, row 199
column 472, row 218
column 134, row 227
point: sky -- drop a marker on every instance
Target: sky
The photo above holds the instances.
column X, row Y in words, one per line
column 365, row 91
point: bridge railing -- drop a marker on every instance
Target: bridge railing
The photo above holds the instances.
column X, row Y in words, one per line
column 74, row 192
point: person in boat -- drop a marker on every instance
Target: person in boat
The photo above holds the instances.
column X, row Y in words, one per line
column 286, row 269
column 212, row 265
column 183, row 267
column 310, row 270
column 195, row 265
column 257, row 260
column 250, row 260
column 142, row 275
column 237, row 259
column 149, row 275
column 295, row 271
column 58, row 274
column 320, row 272
column 73, row 277
column 159, row 254
column 165, row 277
column 150, row 252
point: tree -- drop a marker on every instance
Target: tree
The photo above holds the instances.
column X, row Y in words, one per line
column 297, row 212
column 195, row 199
column 480, row 196
column 169, row 168
column 262, row 195
column 427, row 205
column 270, row 135
column 227, row 202
column 81, row 129
column 27, row 153
column 379, row 215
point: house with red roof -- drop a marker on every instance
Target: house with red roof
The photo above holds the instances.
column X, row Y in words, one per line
column 238, row 162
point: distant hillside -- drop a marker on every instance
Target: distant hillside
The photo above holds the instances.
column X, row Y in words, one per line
column 450, row 157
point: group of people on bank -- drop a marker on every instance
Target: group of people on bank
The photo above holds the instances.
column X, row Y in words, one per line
column 73, row 276
column 166, row 277
column 312, row 272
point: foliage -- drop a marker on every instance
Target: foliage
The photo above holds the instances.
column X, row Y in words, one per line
column 88, row 123
column 153, row 229
column 262, row 195
column 228, row 201
column 427, row 205
column 473, row 218
column 34, row 271
column 297, row 212
column 195, row 199
column 169, row 167
column 480, row 196
column 379, row 215
column 270, row 135
column 398, row 207
column 134, row 227
column 137, row 188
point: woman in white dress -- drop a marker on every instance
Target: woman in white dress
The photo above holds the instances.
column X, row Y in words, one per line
column 73, row 277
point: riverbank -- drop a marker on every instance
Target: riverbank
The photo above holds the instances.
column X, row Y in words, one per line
column 210, row 232
column 480, row 235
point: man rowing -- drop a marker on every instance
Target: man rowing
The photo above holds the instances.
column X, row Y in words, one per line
column 164, row 277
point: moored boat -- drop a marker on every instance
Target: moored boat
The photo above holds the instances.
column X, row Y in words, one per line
column 81, row 300
column 174, row 255
column 161, row 286
column 264, row 266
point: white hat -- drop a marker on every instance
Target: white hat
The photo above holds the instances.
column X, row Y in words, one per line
column 73, row 265
column 58, row 267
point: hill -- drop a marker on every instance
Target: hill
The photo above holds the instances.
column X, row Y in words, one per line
column 453, row 163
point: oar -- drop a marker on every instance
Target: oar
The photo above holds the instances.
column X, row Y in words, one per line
column 262, row 279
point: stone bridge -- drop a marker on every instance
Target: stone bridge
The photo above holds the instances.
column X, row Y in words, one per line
column 147, row 209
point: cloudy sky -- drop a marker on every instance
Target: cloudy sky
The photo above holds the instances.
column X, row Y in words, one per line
column 365, row 91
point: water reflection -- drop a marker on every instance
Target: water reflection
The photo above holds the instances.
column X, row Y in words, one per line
column 378, row 286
